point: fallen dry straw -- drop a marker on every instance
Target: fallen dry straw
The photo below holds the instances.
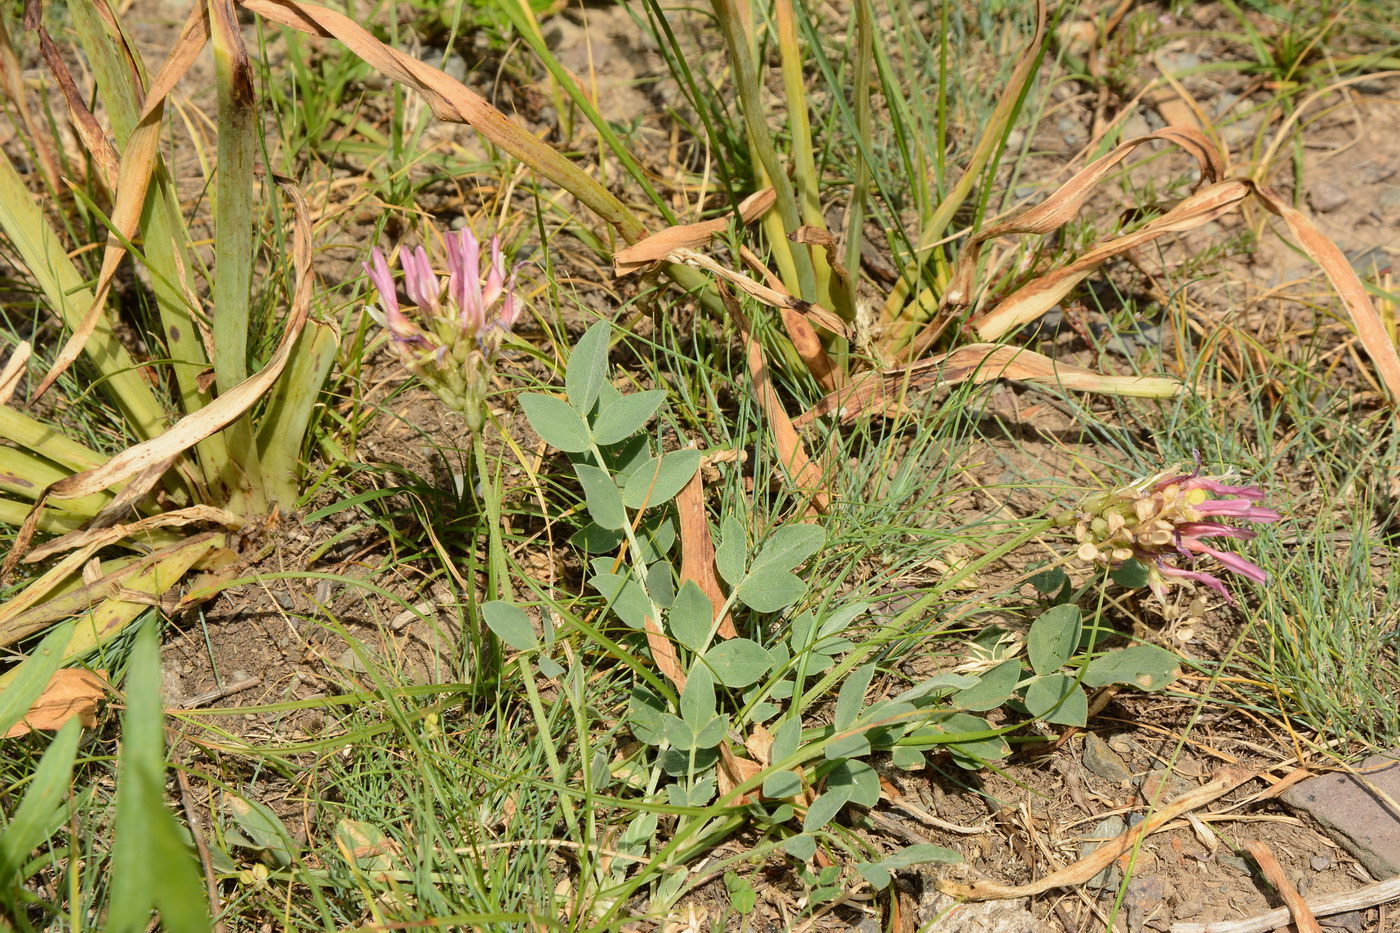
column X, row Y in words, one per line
column 1369, row 896
column 1084, row 869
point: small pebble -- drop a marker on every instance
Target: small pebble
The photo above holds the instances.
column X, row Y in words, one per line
column 1320, row 863
column 1325, row 197
column 1104, row 761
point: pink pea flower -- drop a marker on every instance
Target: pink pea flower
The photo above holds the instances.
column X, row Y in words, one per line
column 459, row 328
column 1162, row 522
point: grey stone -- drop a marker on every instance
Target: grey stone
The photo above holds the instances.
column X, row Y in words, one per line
column 1356, row 816
column 1104, row 761
column 1107, row 829
column 938, row 911
column 1319, row 863
column 1325, row 197
column 1232, row 861
column 1353, row 921
column 1145, row 899
column 1388, row 203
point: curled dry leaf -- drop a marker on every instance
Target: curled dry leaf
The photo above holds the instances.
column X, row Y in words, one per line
column 823, row 240
column 71, row 693
column 101, row 537
column 657, row 246
column 772, row 297
column 1065, row 203
column 800, row 328
column 977, row 363
column 1039, row 295
column 735, row 770
column 663, row 652
column 14, row 370
column 128, row 177
column 698, row 549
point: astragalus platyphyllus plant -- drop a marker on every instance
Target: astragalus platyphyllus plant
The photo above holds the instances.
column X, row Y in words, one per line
column 451, row 339
column 1162, row 521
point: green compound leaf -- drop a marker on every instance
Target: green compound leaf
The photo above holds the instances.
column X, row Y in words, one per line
column 825, row 808
column 601, row 495
column 1053, row 638
column 993, row 688
column 851, row 695
column 1146, row 667
column 788, row 547
column 624, row 594
column 783, row 784
column 698, row 697
column 691, row 617
column 1131, row 574
column 732, row 551
column 588, row 368
column 801, row 847
column 626, row 416
column 1044, row 696
column 510, row 624
column 658, row 480
column 554, row 421
column 770, row 591
column 737, row 662
column 863, row 781
column 878, row 873
column 742, row 896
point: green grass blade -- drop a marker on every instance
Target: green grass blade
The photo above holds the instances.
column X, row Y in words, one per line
column 152, row 868
column 42, row 811
column 63, row 286
column 234, row 245
column 47, row 441
column 29, row 679
column 795, row 264
column 518, row 14
column 282, row 430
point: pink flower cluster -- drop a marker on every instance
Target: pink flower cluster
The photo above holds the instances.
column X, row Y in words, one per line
column 1164, row 520
column 460, row 326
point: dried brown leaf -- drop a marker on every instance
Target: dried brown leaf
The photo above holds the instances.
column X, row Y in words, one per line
column 698, row 549
column 130, row 179
column 1041, row 294
column 101, row 537
column 1065, row 203
column 71, row 693
column 1370, row 328
column 1273, row 872
column 805, row 475
column 655, row 247
column 664, row 654
column 799, row 327
column 977, row 363
column 14, row 370
column 735, row 770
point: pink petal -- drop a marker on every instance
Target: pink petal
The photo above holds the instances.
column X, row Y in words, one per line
column 419, row 281
column 383, row 280
column 1213, row 530
column 1198, row 576
column 1235, row 562
column 1238, row 508
column 510, row 308
column 1220, row 489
